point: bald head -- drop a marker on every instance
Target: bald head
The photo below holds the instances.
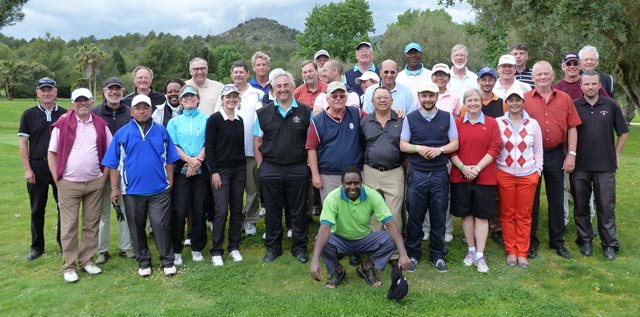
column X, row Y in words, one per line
column 390, row 64
column 542, row 74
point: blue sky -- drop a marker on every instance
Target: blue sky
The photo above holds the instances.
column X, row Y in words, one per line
column 72, row 19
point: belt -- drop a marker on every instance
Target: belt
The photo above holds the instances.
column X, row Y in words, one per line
column 383, row 168
column 551, row 149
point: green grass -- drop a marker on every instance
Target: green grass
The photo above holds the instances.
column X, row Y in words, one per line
column 550, row 287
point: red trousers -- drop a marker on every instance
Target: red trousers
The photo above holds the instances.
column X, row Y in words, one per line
column 516, row 201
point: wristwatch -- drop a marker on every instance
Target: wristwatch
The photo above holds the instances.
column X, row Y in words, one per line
column 573, row 153
column 441, row 150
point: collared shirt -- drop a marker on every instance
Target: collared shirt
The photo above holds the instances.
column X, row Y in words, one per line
column 209, row 94
column 349, row 219
column 413, row 78
column 83, row 164
column 351, row 75
column 250, row 101
column 257, row 132
column 501, row 92
column 555, row 116
column 494, row 107
column 382, row 144
column 475, row 141
column 34, row 125
column 459, row 86
column 305, row 96
column 403, row 98
column 449, row 102
column 255, row 84
column 187, row 131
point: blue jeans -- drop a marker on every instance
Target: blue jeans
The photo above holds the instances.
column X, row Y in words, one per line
column 427, row 191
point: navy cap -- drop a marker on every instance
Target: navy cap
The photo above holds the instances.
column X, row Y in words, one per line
column 46, row 82
column 487, row 70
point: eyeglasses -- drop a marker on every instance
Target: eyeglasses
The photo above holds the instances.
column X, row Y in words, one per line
column 199, row 69
column 387, row 72
column 572, row 63
column 364, row 50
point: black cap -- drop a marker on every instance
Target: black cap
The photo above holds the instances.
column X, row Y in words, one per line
column 570, row 56
column 399, row 286
column 46, row 82
column 113, row 81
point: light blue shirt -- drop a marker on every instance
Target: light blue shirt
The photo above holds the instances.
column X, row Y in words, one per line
column 187, row 131
column 403, row 98
column 480, row 118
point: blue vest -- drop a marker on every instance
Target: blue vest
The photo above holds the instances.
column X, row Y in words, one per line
column 430, row 133
column 340, row 144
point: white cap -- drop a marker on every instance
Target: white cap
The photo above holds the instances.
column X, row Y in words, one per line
column 140, row 98
column 515, row 89
column 368, row 75
column 507, row 59
column 81, row 92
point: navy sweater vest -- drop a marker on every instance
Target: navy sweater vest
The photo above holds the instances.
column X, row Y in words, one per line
column 430, row 133
column 340, row 144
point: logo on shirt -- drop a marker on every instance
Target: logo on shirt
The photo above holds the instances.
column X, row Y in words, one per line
column 604, row 113
column 296, row 119
column 351, row 126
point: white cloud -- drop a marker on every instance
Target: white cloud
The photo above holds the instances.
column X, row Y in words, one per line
column 72, row 19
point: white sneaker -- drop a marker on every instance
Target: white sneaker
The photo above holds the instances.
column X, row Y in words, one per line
column 170, row 270
column 289, row 233
column 178, row 259
column 469, row 258
column 425, row 237
column 250, row 229
column 481, row 263
column 448, row 237
column 263, row 212
column 236, row 256
column 264, row 236
column 217, row 260
column 71, row 277
column 187, row 242
column 196, row 256
column 144, row 272
column 211, row 226
column 91, row 269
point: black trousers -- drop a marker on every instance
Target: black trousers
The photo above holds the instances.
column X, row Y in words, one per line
column 603, row 185
column 38, row 196
column 189, row 194
column 228, row 201
column 554, row 185
column 158, row 207
column 280, row 185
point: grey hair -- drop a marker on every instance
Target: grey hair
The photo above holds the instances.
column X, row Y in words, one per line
column 589, row 49
column 279, row 72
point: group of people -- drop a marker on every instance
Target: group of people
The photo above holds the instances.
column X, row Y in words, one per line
column 385, row 151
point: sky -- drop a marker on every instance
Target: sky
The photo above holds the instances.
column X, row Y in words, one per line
column 73, row 19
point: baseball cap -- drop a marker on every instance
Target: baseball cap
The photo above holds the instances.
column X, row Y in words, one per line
column 113, row 81
column 487, row 70
column 188, row 89
column 336, row 85
column 227, row 89
column 515, row 89
column 46, row 82
column 321, row 53
column 570, row 56
column 440, row 67
column 363, row 43
column 81, row 92
column 368, row 75
column 140, row 99
column 412, row 46
column 428, row 86
column 399, row 286
column 507, row 59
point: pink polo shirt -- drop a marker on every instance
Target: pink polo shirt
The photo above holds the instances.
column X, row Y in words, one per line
column 449, row 102
column 83, row 164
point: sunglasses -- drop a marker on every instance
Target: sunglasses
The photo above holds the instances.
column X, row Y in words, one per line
column 387, row 72
column 572, row 63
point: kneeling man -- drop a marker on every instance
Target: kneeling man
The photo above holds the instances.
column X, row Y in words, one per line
column 345, row 229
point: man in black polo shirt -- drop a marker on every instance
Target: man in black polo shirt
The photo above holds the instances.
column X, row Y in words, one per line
column 383, row 159
column 142, row 79
column 34, row 141
column 280, row 133
column 596, row 164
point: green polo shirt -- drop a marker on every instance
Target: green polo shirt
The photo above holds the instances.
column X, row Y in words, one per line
column 351, row 220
